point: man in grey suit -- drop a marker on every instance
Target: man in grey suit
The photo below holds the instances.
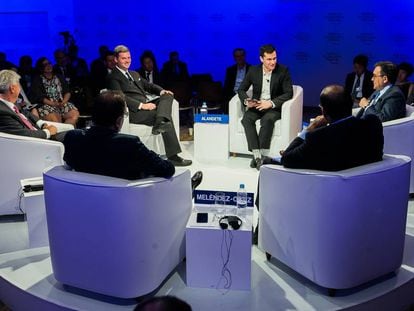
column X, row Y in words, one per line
column 144, row 107
column 387, row 102
column 272, row 86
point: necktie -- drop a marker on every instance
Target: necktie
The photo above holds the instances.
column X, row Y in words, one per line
column 23, row 119
column 148, row 75
column 129, row 77
column 356, row 87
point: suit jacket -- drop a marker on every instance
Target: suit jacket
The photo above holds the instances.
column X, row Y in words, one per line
column 156, row 76
column 390, row 106
column 280, row 85
column 11, row 123
column 230, row 80
column 367, row 85
column 348, row 143
column 103, row 151
column 134, row 91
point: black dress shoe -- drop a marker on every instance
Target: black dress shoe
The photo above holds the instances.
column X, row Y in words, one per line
column 179, row 161
column 256, row 163
column 196, row 179
column 161, row 127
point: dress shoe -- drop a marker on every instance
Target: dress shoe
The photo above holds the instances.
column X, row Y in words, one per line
column 179, row 161
column 161, row 127
column 256, row 163
column 196, row 179
column 269, row 160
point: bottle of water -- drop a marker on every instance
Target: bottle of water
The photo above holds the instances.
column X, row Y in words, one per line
column 203, row 109
column 241, row 201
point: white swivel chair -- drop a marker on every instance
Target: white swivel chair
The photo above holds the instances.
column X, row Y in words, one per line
column 23, row 157
column 399, row 138
column 338, row 229
column 114, row 236
column 152, row 142
column 286, row 129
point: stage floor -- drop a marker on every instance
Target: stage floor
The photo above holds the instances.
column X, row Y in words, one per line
column 27, row 282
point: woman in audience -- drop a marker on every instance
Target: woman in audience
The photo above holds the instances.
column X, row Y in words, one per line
column 51, row 93
column 405, row 70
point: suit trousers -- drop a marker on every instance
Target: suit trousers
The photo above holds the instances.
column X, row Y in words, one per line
column 267, row 124
column 148, row 117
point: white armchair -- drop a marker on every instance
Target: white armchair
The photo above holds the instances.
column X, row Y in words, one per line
column 114, row 236
column 23, row 157
column 338, row 229
column 152, row 142
column 286, row 129
column 399, row 138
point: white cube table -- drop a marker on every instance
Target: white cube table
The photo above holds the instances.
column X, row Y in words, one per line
column 211, row 138
column 208, row 247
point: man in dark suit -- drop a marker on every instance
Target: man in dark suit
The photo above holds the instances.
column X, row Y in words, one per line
column 12, row 120
column 358, row 83
column 143, row 109
column 336, row 140
column 102, row 150
column 235, row 74
column 148, row 69
column 174, row 71
column 387, row 102
column 272, row 86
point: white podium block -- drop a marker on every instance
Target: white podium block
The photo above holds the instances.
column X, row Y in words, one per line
column 208, row 247
column 33, row 204
column 211, row 139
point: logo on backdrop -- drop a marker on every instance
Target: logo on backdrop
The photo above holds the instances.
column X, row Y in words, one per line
column 209, row 196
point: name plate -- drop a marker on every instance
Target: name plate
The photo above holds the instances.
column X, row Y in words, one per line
column 209, row 196
column 211, row 118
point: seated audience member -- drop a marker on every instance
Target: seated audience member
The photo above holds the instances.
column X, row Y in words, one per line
column 272, row 87
column 387, row 102
column 235, row 74
column 335, row 140
column 102, row 150
column 52, row 95
column 163, row 303
column 405, row 70
column 16, row 122
column 99, row 74
column 148, row 70
column 174, row 70
column 358, row 84
column 26, row 72
column 143, row 109
column 63, row 67
column 5, row 64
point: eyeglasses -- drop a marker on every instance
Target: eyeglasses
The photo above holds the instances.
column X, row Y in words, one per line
column 377, row 76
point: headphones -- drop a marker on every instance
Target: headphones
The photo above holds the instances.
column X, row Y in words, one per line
column 234, row 222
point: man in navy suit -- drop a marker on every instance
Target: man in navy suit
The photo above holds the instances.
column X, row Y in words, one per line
column 272, row 86
column 387, row 102
column 142, row 108
column 102, row 150
column 336, row 140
